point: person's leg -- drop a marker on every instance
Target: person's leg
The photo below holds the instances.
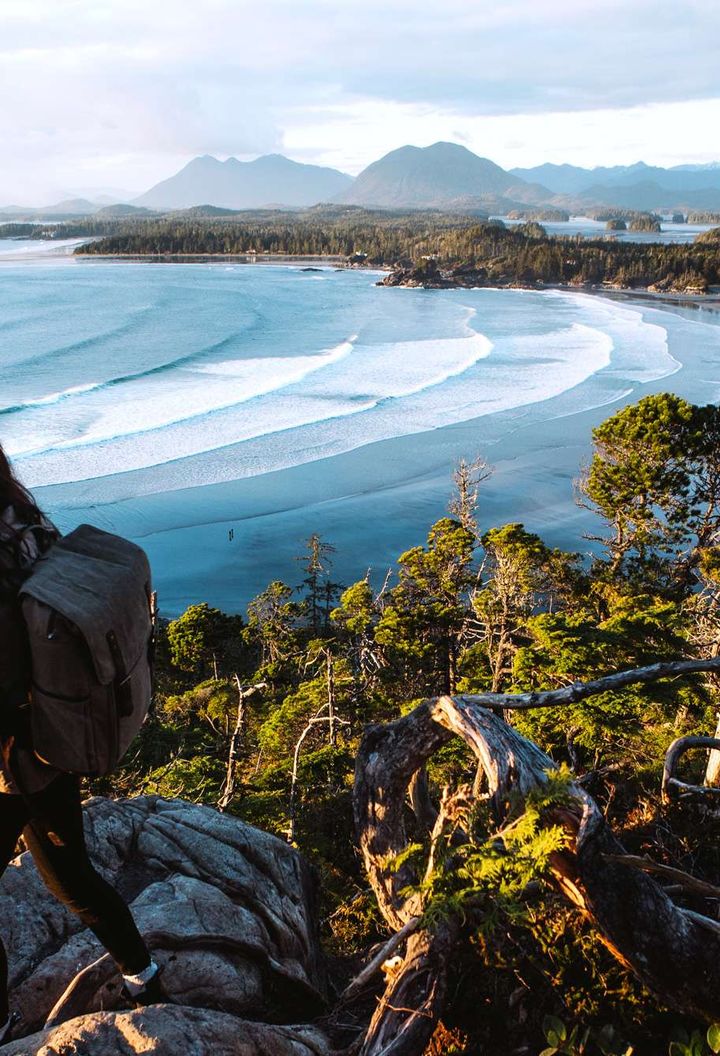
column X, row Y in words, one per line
column 13, row 818
column 55, row 837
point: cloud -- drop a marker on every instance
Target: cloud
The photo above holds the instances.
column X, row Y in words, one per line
column 126, row 90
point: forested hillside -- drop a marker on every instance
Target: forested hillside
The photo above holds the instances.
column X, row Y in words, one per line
column 263, row 716
column 494, row 255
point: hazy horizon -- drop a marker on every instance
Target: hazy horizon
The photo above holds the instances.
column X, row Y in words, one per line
column 120, row 95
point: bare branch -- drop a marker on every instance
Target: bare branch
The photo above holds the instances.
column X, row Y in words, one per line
column 553, row 698
column 374, row 965
column 228, row 789
column 670, row 784
column 683, row 879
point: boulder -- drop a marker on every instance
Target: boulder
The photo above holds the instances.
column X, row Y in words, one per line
column 228, row 911
column 169, row 1030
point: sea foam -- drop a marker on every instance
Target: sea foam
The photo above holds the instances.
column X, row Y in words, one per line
column 205, row 414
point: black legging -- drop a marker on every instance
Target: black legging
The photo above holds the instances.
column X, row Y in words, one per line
column 51, row 822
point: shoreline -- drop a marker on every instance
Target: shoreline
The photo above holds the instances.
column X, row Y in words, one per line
column 326, row 260
column 678, row 298
column 709, row 301
column 675, row 298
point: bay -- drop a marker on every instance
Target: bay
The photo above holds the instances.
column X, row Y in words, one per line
column 220, row 414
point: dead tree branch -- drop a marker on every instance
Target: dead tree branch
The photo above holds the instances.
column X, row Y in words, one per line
column 672, row 787
column 228, row 789
column 685, row 881
column 553, row 698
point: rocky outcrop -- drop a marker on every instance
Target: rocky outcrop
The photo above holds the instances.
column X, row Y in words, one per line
column 429, row 276
column 425, row 274
column 168, row 1030
column 229, row 912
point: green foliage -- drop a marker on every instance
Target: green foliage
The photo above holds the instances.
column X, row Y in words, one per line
column 197, row 779
column 422, row 624
column 560, row 1041
column 280, row 730
column 492, row 870
column 356, row 613
column 696, row 1042
column 273, row 619
column 578, row 1042
column 522, row 575
column 646, row 223
column 201, row 636
column 212, row 701
column 503, row 612
column 352, row 923
column 655, row 480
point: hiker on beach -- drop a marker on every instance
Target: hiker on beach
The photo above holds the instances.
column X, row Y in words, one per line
column 36, row 800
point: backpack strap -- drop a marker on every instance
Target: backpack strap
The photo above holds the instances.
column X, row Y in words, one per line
column 17, row 555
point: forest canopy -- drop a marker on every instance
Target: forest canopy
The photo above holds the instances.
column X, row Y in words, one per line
column 497, row 255
column 263, row 714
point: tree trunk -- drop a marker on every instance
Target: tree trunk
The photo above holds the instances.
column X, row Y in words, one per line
column 228, row 789
column 331, row 699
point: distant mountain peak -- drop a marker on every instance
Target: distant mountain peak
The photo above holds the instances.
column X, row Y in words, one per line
column 235, row 184
column 442, row 175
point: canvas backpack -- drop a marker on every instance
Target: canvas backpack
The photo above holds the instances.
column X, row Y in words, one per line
column 89, row 613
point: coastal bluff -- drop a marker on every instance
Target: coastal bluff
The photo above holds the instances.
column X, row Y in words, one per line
column 229, row 912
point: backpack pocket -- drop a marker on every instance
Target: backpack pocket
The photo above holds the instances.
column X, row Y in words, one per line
column 60, row 727
column 60, row 656
column 61, row 693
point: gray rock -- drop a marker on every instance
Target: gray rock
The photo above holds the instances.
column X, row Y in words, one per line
column 228, row 910
column 169, row 1030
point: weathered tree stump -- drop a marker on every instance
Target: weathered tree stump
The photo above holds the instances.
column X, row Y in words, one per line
column 672, row 950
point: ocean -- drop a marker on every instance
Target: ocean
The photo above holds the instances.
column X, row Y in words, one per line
column 582, row 225
column 184, row 404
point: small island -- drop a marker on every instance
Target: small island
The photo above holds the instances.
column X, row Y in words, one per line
column 645, row 223
column 548, row 215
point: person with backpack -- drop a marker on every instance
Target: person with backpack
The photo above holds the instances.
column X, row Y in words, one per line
column 37, row 800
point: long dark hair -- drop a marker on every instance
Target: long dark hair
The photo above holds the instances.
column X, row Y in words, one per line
column 13, row 493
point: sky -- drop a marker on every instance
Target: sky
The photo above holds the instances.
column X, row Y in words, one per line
column 114, row 95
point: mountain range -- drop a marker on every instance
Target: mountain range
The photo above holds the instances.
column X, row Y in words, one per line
column 637, row 186
column 232, row 184
column 570, row 179
column 443, row 176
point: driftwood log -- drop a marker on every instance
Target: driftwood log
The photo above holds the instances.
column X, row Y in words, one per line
column 673, row 951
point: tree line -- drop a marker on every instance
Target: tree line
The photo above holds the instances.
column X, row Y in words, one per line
column 522, row 255
column 499, row 255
